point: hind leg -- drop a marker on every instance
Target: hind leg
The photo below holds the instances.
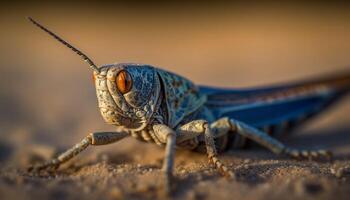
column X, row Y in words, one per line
column 265, row 140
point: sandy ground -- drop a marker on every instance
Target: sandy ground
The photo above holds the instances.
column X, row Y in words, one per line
column 47, row 100
column 133, row 173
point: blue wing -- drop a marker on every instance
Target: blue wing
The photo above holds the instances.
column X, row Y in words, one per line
column 270, row 106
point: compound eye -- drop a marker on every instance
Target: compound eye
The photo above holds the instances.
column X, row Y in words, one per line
column 93, row 78
column 123, row 81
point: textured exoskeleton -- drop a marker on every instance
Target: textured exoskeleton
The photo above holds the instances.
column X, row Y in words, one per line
column 157, row 106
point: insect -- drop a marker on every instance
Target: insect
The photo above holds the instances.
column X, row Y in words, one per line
column 153, row 105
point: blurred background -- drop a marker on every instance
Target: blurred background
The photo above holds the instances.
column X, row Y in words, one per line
column 46, row 92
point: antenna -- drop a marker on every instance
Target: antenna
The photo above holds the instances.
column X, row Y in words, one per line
column 77, row 51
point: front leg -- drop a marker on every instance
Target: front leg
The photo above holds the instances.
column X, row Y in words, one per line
column 98, row 138
column 167, row 135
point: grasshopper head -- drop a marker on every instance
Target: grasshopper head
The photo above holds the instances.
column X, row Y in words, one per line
column 127, row 94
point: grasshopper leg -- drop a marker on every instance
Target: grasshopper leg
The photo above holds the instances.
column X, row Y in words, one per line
column 273, row 144
column 198, row 127
column 97, row 138
column 187, row 131
column 168, row 136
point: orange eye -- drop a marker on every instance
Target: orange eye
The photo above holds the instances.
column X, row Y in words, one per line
column 93, row 78
column 124, row 82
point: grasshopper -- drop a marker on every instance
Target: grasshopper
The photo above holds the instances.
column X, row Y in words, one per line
column 154, row 105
